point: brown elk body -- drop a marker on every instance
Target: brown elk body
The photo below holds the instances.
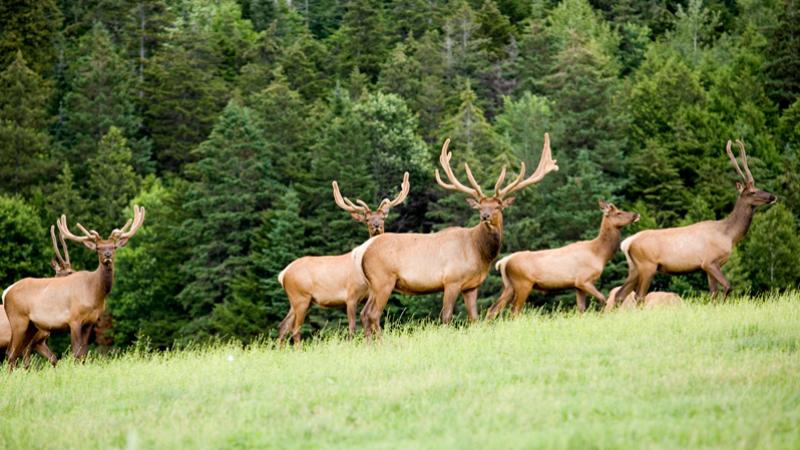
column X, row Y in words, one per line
column 651, row 300
column 62, row 267
column 332, row 281
column 577, row 265
column 454, row 260
column 701, row 246
column 73, row 302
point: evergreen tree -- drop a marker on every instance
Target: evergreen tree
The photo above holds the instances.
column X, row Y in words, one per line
column 183, row 95
column 24, row 143
column 494, row 28
column 31, row 27
column 231, row 182
column 112, row 181
column 361, row 42
column 24, row 241
column 783, row 56
column 401, row 74
column 102, row 94
column 63, row 197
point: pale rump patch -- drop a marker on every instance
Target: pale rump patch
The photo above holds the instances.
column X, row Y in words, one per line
column 283, row 272
column 6, row 291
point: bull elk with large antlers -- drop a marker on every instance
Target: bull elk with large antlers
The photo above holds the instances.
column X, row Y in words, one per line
column 701, row 246
column 577, row 265
column 75, row 301
column 332, row 281
column 62, row 267
column 454, row 260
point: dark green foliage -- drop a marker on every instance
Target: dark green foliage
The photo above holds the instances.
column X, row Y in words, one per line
column 24, row 244
column 783, row 56
column 361, row 42
column 32, row 27
column 231, row 182
column 24, row 143
column 112, row 181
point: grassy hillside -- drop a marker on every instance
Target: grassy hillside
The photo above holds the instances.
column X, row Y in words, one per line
column 721, row 376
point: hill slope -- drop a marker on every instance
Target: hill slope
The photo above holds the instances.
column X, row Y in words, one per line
column 723, row 376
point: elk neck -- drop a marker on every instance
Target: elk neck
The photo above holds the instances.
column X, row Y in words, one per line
column 608, row 239
column 105, row 277
column 488, row 238
column 738, row 221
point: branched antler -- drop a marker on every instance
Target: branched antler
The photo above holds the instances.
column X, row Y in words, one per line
column 387, row 204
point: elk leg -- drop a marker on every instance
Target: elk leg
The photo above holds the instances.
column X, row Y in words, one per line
column 365, row 316
column 580, row 298
column 646, row 275
column 22, row 333
column 500, row 304
column 589, row 288
column 712, row 284
column 471, row 303
column 521, row 290
column 449, row 303
column 42, row 349
column 351, row 317
column 285, row 326
column 75, row 330
column 86, row 332
column 713, row 270
column 379, row 300
column 300, row 311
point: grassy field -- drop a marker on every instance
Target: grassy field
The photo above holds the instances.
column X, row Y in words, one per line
column 719, row 376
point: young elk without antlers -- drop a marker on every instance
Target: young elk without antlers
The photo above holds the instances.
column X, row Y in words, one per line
column 577, row 265
column 651, row 300
column 703, row 245
column 62, row 267
column 75, row 301
column 332, row 281
column 454, row 260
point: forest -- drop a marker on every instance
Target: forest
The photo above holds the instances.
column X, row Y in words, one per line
column 228, row 120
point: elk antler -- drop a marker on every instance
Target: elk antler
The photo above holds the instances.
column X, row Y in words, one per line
column 734, row 162
column 444, row 160
column 63, row 261
column 121, row 235
column 749, row 175
column 387, row 204
column 89, row 240
column 346, row 204
column 546, row 165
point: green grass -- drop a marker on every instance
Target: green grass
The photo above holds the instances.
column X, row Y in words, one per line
column 720, row 376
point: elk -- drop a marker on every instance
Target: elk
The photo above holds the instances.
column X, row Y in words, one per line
column 62, row 267
column 332, row 281
column 651, row 300
column 701, row 246
column 454, row 260
column 577, row 265
column 73, row 302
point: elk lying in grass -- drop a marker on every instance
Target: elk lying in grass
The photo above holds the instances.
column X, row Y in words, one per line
column 75, row 301
column 454, row 260
column 577, row 265
column 651, row 300
column 701, row 246
column 62, row 267
column 332, row 281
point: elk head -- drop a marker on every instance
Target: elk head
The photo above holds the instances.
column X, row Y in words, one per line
column 105, row 248
column 615, row 216
column 491, row 208
column 60, row 265
column 748, row 192
column 362, row 212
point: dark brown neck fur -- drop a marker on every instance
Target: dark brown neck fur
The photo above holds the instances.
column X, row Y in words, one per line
column 106, row 276
column 738, row 221
column 488, row 239
column 607, row 241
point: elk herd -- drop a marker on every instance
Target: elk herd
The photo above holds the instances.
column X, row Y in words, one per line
column 454, row 261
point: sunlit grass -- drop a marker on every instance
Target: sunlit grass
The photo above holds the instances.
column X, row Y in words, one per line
column 703, row 375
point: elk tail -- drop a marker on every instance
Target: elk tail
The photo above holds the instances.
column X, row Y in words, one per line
column 5, row 292
column 626, row 248
column 358, row 258
column 501, row 267
column 282, row 275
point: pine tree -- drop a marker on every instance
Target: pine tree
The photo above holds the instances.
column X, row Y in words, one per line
column 24, row 143
column 231, row 182
column 31, row 27
column 112, row 181
column 401, row 74
column 24, row 241
column 102, row 94
column 495, row 28
column 361, row 42
column 183, row 95
column 783, row 56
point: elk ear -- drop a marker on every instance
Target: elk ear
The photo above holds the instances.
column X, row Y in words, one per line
column 508, row 201
column 473, row 203
column 602, row 204
column 91, row 245
column 740, row 186
column 121, row 243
